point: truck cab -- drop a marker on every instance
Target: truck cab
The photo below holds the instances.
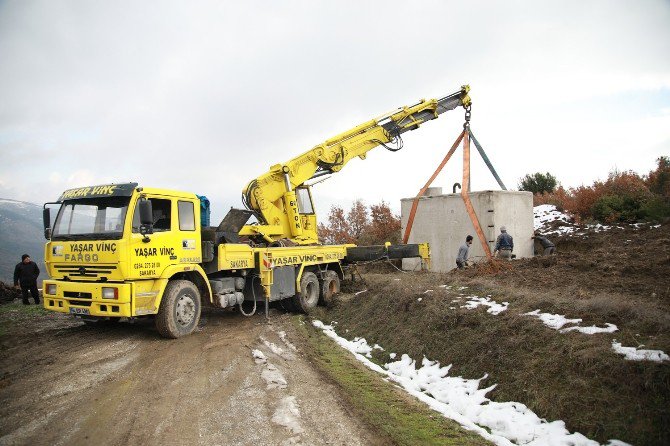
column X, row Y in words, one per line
column 107, row 260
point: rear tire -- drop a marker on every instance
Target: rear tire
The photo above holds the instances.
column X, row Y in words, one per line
column 330, row 286
column 180, row 308
column 308, row 297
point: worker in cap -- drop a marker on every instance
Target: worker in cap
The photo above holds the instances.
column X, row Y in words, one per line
column 504, row 245
column 25, row 275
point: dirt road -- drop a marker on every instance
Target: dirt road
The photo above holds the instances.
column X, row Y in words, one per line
column 237, row 381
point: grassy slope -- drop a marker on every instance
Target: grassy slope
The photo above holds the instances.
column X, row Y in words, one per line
column 383, row 406
column 573, row 377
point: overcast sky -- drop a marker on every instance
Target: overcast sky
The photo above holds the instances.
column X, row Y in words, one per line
column 204, row 96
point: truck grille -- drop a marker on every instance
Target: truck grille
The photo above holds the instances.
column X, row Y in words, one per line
column 85, row 270
column 77, row 295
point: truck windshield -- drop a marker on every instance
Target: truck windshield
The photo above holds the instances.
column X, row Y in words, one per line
column 91, row 219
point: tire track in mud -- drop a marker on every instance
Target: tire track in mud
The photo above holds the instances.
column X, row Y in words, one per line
column 122, row 384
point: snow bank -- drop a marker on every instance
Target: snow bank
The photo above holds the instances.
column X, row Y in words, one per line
column 508, row 423
column 494, row 307
column 633, row 354
column 547, row 213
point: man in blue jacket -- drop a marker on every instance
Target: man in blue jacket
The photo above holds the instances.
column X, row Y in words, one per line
column 26, row 274
column 504, row 245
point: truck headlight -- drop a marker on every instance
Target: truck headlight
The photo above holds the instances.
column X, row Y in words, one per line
column 110, row 293
column 50, row 289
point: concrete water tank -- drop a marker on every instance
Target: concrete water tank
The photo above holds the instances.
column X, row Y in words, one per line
column 442, row 221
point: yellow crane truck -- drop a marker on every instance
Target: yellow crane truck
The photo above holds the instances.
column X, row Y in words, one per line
column 122, row 250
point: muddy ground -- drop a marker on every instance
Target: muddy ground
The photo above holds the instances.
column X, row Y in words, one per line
column 67, row 383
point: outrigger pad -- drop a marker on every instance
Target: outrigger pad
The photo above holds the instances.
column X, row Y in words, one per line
column 230, row 226
column 234, row 220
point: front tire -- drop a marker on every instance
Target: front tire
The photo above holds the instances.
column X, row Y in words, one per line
column 180, row 308
column 308, row 297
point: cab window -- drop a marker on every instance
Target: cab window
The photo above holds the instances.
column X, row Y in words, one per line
column 186, row 216
column 162, row 215
column 304, row 200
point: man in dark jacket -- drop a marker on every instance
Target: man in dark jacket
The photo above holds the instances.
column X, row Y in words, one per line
column 26, row 274
column 504, row 244
column 548, row 247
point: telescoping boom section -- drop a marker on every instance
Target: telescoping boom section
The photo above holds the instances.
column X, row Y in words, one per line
column 281, row 201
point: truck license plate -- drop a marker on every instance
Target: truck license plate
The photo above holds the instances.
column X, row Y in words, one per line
column 79, row 311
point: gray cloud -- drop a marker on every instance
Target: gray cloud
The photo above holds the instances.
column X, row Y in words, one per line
column 205, row 96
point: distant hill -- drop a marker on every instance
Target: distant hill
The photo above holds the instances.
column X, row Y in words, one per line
column 20, row 233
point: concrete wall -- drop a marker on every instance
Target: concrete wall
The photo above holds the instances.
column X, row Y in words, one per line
column 443, row 221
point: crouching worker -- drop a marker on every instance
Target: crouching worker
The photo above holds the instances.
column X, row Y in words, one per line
column 504, row 245
column 548, row 247
column 463, row 251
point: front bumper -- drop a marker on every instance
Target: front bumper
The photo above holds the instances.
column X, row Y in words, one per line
column 82, row 298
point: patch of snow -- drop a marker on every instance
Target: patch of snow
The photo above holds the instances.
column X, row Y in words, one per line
column 288, row 415
column 273, row 377
column 282, row 336
column 259, row 357
column 277, row 350
column 494, row 307
column 462, row 400
column 547, row 213
column 361, row 292
column 633, row 354
column 555, row 321
column 610, row 328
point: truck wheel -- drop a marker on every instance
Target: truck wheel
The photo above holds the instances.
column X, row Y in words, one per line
column 308, row 297
column 330, row 286
column 179, row 312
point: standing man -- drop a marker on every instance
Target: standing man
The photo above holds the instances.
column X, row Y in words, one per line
column 548, row 247
column 462, row 258
column 26, row 274
column 504, row 244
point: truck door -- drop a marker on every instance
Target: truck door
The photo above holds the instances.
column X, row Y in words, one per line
column 189, row 249
column 149, row 259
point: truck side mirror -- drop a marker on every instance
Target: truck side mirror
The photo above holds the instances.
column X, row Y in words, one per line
column 146, row 218
column 146, row 213
column 46, row 219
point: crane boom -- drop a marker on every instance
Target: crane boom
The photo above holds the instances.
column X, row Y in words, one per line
column 279, row 198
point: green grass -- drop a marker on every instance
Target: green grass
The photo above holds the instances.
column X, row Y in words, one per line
column 19, row 308
column 389, row 410
column 16, row 313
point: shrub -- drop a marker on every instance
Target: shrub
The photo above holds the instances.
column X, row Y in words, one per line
column 538, row 183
